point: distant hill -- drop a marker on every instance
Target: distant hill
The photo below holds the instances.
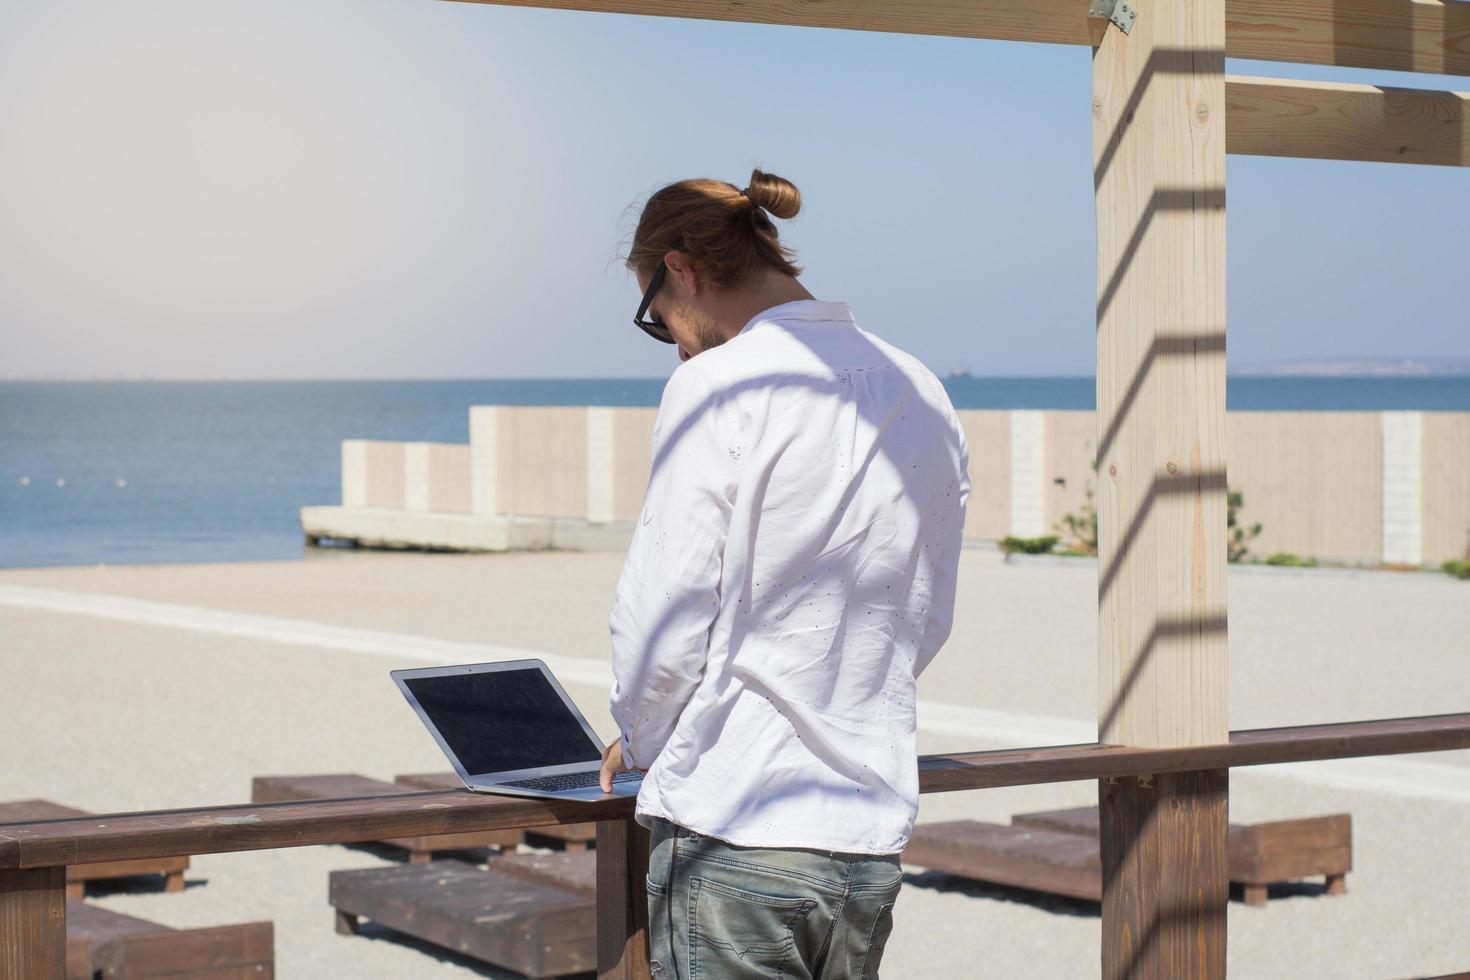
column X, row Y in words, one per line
column 1361, row 367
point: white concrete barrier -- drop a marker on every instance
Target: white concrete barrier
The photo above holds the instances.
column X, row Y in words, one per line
column 1347, row 486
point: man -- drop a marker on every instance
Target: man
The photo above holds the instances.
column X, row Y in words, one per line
column 790, row 575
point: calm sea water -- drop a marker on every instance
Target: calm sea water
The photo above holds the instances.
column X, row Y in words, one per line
column 143, row 472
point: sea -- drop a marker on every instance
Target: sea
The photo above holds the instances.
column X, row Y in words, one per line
column 141, row 472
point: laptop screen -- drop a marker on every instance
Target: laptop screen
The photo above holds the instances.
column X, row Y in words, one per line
column 502, row 720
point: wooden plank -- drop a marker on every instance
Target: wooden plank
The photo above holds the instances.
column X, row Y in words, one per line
column 504, row 920
column 1158, row 112
column 1283, row 850
column 247, row 827
column 1091, row 760
column 1402, row 35
column 1260, row 853
column 1158, row 100
column 33, row 924
column 77, row 875
column 571, row 834
column 1399, row 35
column 1165, row 881
column 279, row 789
column 574, row 871
column 120, row 946
column 1339, row 121
column 1058, row 851
column 245, row 951
column 622, row 901
column 1043, row 860
column 1053, row 21
column 91, row 927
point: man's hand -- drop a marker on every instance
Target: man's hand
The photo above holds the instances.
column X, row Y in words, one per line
column 612, row 763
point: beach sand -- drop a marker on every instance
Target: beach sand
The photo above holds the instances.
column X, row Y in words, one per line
column 132, row 688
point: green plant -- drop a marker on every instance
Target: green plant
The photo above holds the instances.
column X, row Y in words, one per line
column 1081, row 527
column 1236, row 547
column 1289, row 560
column 1028, row 546
column 1457, row 568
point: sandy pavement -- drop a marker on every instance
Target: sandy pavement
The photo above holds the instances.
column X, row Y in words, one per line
column 179, row 699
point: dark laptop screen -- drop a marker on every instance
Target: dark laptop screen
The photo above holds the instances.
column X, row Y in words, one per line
column 501, row 720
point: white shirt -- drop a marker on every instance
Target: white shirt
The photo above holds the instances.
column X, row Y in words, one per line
column 790, row 575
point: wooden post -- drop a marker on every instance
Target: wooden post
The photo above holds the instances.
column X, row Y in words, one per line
column 1159, row 171
column 33, row 924
column 622, row 901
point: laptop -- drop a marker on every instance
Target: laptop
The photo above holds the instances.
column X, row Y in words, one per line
column 509, row 727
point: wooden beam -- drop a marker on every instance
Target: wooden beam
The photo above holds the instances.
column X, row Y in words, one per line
column 1264, row 746
column 33, row 924
column 1404, row 35
column 1163, row 830
column 1399, row 35
column 253, row 827
column 1158, row 112
column 622, row 901
column 1049, row 21
column 1336, row 121
column 1159, row 149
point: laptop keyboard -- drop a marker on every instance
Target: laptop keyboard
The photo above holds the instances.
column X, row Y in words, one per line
column 569, row 780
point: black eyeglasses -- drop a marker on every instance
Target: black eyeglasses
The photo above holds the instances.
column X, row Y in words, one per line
column 654, row 328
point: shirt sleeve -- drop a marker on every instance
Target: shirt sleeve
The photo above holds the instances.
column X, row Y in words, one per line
column 946, row 566
column 669, row 591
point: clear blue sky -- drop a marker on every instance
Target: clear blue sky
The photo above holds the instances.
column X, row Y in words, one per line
column 417, row 188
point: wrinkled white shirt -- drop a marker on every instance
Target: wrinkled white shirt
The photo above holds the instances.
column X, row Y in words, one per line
column 790, row 575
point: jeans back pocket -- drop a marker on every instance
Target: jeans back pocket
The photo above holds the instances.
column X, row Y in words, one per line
column 735, row 932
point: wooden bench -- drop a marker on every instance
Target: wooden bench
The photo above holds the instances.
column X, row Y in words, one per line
column 1261, row 854
column 571, row 836
column 540, row 921
column 1057, row 851
column 574, row 871
column 77, row 875
column 122, row 947
column 34, row 856
column 284, row 789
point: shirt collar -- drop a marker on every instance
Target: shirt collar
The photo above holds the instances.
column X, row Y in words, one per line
column 803, row 309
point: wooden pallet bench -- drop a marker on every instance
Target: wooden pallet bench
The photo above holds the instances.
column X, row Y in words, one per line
column 541, row 921
column 77, row 875
column 573, row 871
column 123, row 947
column 1057, row 851
column 34, row 855
column 1260, row 854
column 571, row 836
column 284, row 789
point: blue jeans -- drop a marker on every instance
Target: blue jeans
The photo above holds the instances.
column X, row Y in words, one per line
column 722, row 912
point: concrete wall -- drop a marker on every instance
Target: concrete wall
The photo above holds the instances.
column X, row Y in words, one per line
column 988, row 434
column 541, row 468
column 1346, row 486
column 1071, row 446
column 1446, row 494
column 1312, row 479
column 633, row 459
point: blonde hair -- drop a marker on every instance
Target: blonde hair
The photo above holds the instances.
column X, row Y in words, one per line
column 726, row 232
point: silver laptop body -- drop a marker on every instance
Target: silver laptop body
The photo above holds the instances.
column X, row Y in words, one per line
column 509, row 727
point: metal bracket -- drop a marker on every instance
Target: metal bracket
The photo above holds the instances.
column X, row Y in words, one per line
column 1145, row 782
column 1120, row 12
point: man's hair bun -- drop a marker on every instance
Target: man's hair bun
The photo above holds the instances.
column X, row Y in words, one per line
column 727, row 232
column 777, row 195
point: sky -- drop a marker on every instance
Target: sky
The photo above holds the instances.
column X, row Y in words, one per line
column 431, row 189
